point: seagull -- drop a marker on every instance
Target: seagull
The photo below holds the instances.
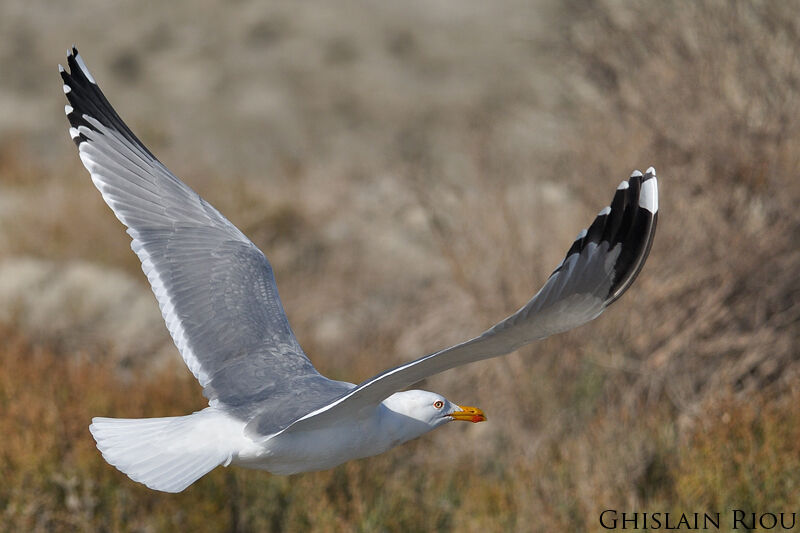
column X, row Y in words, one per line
column 268, row 407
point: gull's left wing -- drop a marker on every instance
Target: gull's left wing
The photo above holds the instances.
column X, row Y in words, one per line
column 600, row 265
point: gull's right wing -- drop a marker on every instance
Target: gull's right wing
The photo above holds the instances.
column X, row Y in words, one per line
column 600, row 265
column 216, row 290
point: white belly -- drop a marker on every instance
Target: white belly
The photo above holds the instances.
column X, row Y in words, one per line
column 294, row 452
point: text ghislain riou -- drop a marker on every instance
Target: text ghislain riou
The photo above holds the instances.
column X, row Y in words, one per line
column 735, row 519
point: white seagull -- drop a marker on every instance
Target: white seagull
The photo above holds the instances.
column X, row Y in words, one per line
column 268, row 406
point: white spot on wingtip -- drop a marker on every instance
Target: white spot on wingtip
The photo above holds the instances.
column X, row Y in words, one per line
column 581, row 235
column 66, row 88
column 622, row 186
column 648, row 197
column 636, row 174
column 651, row 170
column 73, row 132
column 60, row 67
column 606, row 210
column 67, row 109
column 85, row 70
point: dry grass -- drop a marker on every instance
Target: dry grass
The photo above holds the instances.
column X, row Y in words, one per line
column 722, row 120
column 404, row 214
column 742, row 455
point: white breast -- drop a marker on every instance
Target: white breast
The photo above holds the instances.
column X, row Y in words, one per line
column 321, row 449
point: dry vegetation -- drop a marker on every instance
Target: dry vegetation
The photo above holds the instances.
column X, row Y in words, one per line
column 427, row 167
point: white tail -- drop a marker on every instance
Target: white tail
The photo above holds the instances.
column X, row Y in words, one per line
column 166, row 454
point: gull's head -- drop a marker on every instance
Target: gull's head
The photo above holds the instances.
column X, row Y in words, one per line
column 430, row 409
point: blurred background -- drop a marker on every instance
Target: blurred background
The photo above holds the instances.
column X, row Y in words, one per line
column 414, row 171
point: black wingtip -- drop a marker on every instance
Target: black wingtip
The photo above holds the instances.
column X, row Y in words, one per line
column 630, row 222
column 638, row 237
column 89, row 105
column 83, row 95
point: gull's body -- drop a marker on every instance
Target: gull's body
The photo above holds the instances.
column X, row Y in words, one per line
column 269, row 408
column 211, row 437
column 378, row 429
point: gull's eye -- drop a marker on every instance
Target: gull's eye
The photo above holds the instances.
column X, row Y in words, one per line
column 438, row 404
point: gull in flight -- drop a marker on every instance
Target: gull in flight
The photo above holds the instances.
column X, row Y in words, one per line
column 268, row 407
